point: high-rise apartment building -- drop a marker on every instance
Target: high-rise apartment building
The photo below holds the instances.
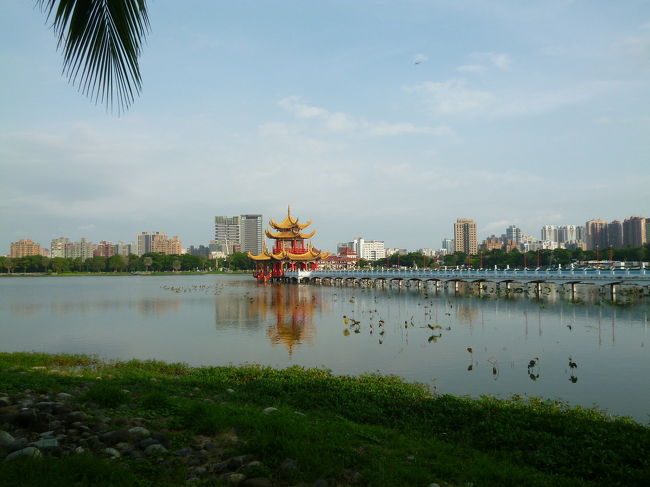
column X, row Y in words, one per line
column 367, row 249
column 634, row 231
column 124, row 249
column 465, row 236
column 615, row 234
column 80, row 250
column 23, row 248
column 448, row 245
column 250, row 233
column 104, row 249
column 596, row 234
column 549, row 233
column 226, row 233
column 144, row 242
column 57, row 246
column 513, row 232
column 168, row 246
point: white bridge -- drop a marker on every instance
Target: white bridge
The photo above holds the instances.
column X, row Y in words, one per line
column 598, row 277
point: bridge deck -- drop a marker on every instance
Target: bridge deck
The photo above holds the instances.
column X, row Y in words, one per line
column 638, row 277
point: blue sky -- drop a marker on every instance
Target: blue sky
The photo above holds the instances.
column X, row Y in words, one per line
column 386, row 120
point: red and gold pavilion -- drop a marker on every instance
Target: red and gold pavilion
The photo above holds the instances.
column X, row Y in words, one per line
column 289, row 251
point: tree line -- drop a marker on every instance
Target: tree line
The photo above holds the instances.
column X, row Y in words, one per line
column 514, row 258
column 149, row 262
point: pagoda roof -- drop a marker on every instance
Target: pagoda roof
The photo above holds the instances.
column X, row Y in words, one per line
column 311, row 254
column 289, row 222
column 290, row 234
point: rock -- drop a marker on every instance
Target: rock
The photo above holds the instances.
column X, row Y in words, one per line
column 321, row 483
column 220, row 467
column 111, row 452
column 192, row 480
column 183, row 452
column 55, row 425
column 234, row 478
column 230, row 391
column 156, row 449
column 236, row 462
column 257, row 482
column 147, row 442
column 269, row 410
column 77, row 416
column 30, row 451
column 18, row 444
column 6, row 439
column 140, row 432
column 162, row 439
column 27, row 417
column 44, row 405
column 115, row 437
column 4, row 402
column 64, row 396
column 123, row 447
column 46, row 443
column 79, row 450
column 433, row 485
column 199, row 471
column 47, row 434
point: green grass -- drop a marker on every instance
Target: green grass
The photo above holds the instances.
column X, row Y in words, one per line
column 385, row 430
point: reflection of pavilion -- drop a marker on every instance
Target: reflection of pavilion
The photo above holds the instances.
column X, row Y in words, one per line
column 291, row 307
column 294, row 308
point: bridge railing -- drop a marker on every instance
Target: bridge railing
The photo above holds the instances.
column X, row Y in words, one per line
column 482, row 274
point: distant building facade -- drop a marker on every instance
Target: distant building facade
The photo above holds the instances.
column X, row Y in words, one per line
column 144, row 242
column 226, row 234
column 168, row 246
column 23, row 248
column 104, row 249
column 615, row 234
column 634, row 231
column 57, row 246
column 251, row 236
column 596, row 234
column 83, row 249
column 465, row 236
column 513, row 232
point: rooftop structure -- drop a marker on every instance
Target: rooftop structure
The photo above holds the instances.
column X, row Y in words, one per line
column 289, row 251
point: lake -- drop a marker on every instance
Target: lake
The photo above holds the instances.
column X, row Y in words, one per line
column 423, row 337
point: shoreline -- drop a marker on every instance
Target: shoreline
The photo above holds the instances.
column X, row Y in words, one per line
column 300, row 426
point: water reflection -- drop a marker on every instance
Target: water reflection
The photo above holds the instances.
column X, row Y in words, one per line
column 145, row 306
column 286, row 311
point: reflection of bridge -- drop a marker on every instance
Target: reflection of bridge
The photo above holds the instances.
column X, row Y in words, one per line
column 598, row 277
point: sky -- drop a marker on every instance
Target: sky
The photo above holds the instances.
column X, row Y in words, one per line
column 376, row 119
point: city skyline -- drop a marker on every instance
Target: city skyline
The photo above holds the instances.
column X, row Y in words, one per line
column 375, row 120
column 633, row 231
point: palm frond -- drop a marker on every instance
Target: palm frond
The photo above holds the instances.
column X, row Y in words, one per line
column 101, row 41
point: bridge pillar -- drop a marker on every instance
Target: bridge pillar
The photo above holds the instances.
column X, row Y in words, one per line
column 573, row 291
column 479, row 288
column 612, row 293
column 455, row 287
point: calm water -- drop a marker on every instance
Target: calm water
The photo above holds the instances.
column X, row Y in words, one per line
column 218, row 320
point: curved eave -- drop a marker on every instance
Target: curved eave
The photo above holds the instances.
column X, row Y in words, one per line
column 289, row 235
column 285, row 224
column 259, row 257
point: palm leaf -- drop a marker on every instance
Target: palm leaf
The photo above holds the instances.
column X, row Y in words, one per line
column 101, row 42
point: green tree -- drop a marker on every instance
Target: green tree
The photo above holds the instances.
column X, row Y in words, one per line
column 101, row 42
column 116, row 263
column 147, row 261
column 176, row 265
column 59, row 264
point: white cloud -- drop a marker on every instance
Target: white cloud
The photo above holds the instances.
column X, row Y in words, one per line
column 452, row 97
column 339, row 122
column 471, row 68
column 455, row 98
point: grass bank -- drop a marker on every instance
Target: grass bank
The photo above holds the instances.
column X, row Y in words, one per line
column 333, row 430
